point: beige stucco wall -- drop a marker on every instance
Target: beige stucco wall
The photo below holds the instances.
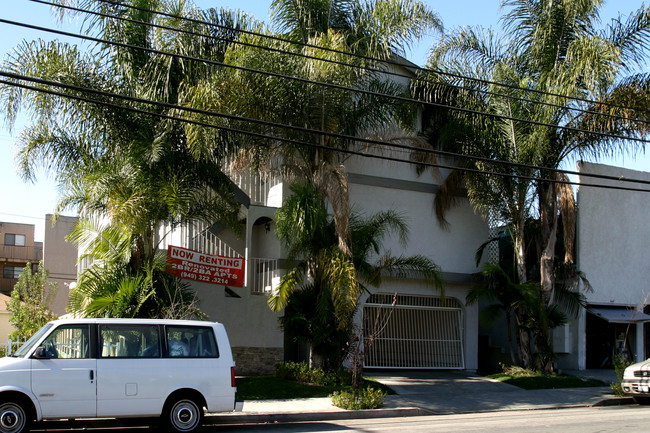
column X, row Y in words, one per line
column 60, row 259
column 5, row 326
column 613, row 235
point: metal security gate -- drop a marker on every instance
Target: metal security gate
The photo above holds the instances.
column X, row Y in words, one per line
column 408, row 331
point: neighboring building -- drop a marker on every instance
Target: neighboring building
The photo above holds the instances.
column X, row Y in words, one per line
column 59, row 256
column 5, row 326
column 17, row 248
column 60, row 259
column 612, row 238
column 613, row 235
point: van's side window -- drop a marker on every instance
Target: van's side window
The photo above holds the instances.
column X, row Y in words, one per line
column 191, row 342
column 129, row 341
column 68, row 342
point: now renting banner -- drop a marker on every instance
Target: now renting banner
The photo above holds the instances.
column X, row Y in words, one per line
column 205, row 268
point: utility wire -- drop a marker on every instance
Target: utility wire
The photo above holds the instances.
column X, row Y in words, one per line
column 320, row 83
column 286, row 140
column 300, row 129
column 337, row 62
column 362, row 57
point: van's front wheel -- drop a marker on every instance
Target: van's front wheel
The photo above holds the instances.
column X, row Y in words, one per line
column 13, row 418
column 183, row 415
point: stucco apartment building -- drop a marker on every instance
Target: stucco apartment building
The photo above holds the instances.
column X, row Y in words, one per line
column 612, row 241
column 17, row 248
column 425, row 330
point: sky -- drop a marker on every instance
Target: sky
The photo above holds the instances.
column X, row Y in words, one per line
column 27, row 202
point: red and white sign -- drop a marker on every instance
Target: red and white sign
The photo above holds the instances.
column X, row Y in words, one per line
column 206, row 268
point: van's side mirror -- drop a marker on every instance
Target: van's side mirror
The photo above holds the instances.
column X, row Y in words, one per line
column 40, row 353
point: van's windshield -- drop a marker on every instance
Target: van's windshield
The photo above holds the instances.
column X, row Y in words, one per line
column 25, row 348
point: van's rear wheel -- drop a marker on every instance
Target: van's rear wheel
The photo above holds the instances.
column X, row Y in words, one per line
column 13, row 417
column 183, row 415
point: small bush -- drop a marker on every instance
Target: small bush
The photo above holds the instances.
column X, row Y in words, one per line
column 620, row 364
column 366, row 398
column 530, row 379
column 300, row 372
column 516, row 371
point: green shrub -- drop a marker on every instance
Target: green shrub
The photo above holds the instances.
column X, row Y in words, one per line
column 620, row 364
column 300, row 372
column 517, row 371
column 365, row 398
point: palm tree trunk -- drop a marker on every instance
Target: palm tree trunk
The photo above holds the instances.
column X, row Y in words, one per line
column 549, row 221
column 523, row 335
column 316, row 360
column 548, row 213
column 513, row 359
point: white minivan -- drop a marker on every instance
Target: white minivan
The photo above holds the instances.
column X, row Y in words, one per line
column 119, row 368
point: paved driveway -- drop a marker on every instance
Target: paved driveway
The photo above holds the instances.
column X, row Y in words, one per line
column 439, row 392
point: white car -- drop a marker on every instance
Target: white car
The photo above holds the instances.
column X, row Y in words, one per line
column 110, row 368
column 636, row 381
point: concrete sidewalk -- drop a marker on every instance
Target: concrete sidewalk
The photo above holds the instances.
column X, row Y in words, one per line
column 428, row 393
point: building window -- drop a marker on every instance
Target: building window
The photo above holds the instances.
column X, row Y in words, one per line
column 12, row 272
column 16, row 240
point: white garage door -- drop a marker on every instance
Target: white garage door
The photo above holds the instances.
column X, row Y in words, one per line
column 408, row 331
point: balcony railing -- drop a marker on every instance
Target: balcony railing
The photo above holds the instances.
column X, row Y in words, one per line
column 264, row 275
column 12, row 252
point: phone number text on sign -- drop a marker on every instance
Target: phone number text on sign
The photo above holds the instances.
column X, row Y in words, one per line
column 206, row 268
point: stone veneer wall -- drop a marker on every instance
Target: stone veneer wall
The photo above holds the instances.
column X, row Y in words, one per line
column 256, row 361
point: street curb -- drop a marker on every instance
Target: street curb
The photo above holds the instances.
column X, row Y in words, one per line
column 615, row 401
column 287, row 417
column 270, row 418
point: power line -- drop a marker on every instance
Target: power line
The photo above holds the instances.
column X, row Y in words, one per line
column 171, row 106
column 320, row 83
column 336, row 62
column 360, row 56
column 292, row 141
column 22, row 216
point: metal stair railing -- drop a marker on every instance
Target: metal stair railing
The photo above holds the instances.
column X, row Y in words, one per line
column 255, row 184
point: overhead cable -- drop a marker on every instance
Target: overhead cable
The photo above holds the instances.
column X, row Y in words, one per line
column 321, row 83
column 338, row 62
column 359, row 56
column 282, row 139
column 302, row 129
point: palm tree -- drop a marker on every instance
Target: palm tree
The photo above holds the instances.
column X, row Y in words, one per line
column 565, row 53
column 141, row 173
column 321, row 290
column 371, row 28
column 112, row 285
column 567, row 76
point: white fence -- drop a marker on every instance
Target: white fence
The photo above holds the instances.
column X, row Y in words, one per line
column 9, row 347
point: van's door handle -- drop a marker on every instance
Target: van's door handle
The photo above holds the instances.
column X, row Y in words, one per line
column 92, row 375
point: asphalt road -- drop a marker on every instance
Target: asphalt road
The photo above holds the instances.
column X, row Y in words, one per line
column 629, row 419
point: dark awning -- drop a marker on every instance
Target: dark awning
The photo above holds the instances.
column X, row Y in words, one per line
column 620, row 315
